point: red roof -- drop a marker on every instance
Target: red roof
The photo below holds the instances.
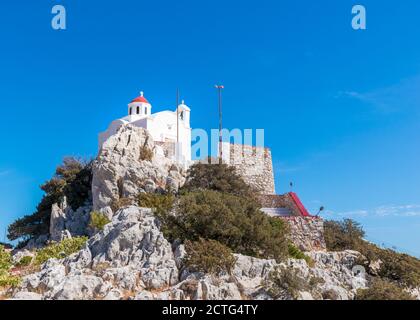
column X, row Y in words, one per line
column 299, row 205
column 140, row 99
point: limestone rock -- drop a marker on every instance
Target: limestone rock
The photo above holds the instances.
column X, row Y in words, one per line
column 250, row 273
column 114, row 294
column 24, row 295
column 131, row 259
column 121, row 171
column 57, row 221
column 66, row 223
column 179, row 255
column 77, row 287
column 129, row 254
column 144, row 295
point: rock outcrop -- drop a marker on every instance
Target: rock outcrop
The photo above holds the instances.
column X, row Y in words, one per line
column 129, row 163
column 131, row 259
column 67, row 223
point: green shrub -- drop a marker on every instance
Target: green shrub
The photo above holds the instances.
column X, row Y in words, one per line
column 398, row 267
column 7, row 280
column 383, row 290
column 146, row 154
column 60, row 250
column 24, row 262
column 348, row 235
column 98, row 220
column 296, row 253
column 216, row 177
column 5, row 259
column 283, row 282
column 209, row 256
column 342, row 235
column 72, row 179
column 160, row 203
column 231, row 220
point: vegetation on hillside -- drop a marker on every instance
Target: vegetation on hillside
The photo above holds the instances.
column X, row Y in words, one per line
column 209, row 256
column 72, row 179
column 98, row 221
column 215, row 204
column 60, row 250
column 216, row 177
column 296, row 253
column 6, row 279
column 396, row 267
column 24, row 262
column 234, row 221
column 285, row 282
column 383, row 290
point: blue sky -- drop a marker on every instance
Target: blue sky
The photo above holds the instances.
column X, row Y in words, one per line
column 340, row 107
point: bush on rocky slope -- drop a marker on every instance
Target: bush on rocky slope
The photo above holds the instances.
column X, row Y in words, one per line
column 98, row 221
column 296, row 253
column 24, row 262
column 160, row 203
column 6, row 279
column 5, row 259
column 284, row 283
column 398, row 267
column 216, row 204
column 72, row 179
column 231, row 220
column 209, row 256
column 60, row 250
column 343, row 235
column 383, row 290
column 217, row 177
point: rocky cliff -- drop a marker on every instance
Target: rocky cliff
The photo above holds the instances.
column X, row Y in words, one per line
column 131, row 259
column 129, row 163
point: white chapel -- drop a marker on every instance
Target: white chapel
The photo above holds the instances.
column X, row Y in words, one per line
column 163, row 126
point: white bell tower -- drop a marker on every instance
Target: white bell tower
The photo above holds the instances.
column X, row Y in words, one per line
column 184, row 114
column 139, row 107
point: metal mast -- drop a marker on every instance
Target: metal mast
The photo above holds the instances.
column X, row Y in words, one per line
column 219, row 88
column 177, row 116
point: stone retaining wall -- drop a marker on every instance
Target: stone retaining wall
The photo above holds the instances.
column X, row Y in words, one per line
column 307, row 233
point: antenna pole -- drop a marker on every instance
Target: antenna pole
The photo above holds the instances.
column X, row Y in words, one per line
column 177, row 116
column 219, row 88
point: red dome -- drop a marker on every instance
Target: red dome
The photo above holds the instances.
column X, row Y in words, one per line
column 140, row 99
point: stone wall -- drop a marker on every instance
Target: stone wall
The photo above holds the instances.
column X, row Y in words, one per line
column 307, row 233
column 254, row 164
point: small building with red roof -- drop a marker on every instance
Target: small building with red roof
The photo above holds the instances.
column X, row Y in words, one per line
column 285, row 205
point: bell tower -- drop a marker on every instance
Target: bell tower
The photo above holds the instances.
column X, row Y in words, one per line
column 184, row 114
column 139, row 106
